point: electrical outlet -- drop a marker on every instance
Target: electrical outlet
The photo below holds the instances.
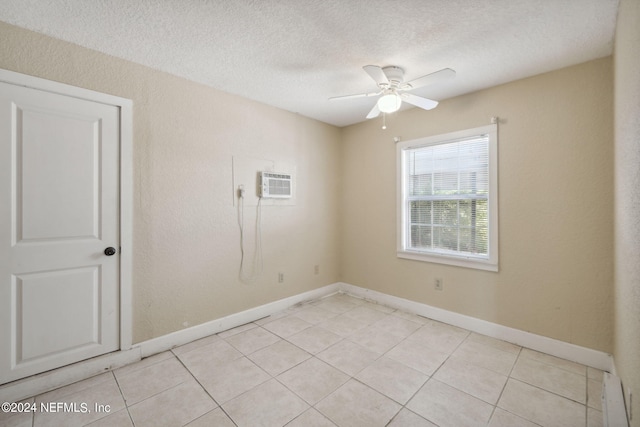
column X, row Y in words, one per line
column 280, row 277
column 316, row 269
column 438, row 284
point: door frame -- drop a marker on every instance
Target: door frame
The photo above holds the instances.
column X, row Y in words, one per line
column 125, row 107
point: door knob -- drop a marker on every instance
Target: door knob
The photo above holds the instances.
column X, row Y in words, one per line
column 110, row 251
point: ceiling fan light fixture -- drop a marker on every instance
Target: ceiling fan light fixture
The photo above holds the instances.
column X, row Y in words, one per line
column 389, row 103
column 394, row 90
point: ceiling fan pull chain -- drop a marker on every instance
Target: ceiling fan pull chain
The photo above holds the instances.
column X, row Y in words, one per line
column 384, row 121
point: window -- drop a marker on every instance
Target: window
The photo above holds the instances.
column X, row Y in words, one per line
column 448, row 198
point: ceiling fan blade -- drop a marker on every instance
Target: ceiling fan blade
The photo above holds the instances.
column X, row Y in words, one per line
column 437, row 77
column 357, row 95
column 376, row 74
column 375, row 112
column 419, row 101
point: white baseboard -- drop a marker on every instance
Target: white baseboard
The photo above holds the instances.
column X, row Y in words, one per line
column 613, row 407
column 50, row 380
column 586, row 356
column 44, row 382
column 174, row 339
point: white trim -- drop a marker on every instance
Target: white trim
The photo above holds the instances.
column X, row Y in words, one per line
column 57, row 378
column 174, row 339
column 613, row 407
column 126, row 224
column 586, row 356
column 60, row 88
column 50, row 380
column 126, row 181
column 458, row 261
column 41, row 383
column 490, row 263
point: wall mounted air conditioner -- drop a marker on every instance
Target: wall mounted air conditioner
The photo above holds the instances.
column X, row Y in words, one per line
column 275, row 185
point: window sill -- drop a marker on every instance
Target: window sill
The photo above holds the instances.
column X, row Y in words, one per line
column 477, row 264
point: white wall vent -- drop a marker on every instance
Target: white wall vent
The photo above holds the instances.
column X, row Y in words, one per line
column 275, row 185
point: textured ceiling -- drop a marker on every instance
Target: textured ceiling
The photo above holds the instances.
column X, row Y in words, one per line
column 295, row 54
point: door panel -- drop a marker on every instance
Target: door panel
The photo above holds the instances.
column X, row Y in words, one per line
column 46, row 154
column 45, row 323
column 59, row 292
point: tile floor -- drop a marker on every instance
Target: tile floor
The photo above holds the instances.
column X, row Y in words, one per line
column 338, row 361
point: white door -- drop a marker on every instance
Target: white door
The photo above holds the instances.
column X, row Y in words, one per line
column 59, row 291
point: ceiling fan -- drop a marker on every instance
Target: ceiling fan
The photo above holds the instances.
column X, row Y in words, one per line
column 394, row 90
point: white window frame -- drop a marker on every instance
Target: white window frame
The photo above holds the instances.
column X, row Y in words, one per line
column 490, row 263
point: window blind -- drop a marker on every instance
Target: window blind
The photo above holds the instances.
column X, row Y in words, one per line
column 447, row 191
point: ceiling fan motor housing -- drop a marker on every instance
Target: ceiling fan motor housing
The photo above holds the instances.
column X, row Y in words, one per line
column 394, row 74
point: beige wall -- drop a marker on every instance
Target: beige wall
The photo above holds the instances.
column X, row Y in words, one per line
column 186, row 237
column 556, row 158
column 626, row 348
column 555, row 205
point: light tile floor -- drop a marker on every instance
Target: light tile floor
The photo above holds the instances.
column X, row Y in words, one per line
column 338, row 361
